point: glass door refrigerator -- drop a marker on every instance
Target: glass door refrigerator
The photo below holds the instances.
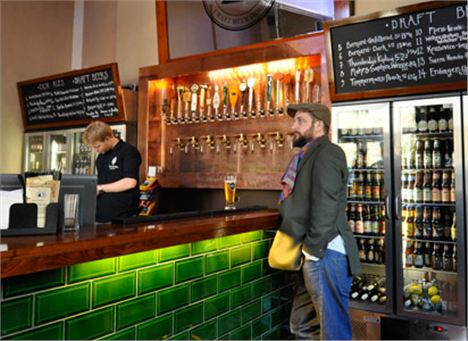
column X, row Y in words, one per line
column 412, row 150
column 363, row 131
column 430, row 209
column 35, row 152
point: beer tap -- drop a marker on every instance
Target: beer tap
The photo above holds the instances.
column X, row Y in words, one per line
column 164, row 117
column 233, row 95
column 251, row 84
column 258, row 97
column 217, row 103
column 269, row 88
column 210, row 142
column 203, row 89
column 180, row 116
column 194, row 102
column 297, row 92
column 243, row 90
column 187, row 97
column 316, row 94
column 226, row 116
column 308, row 78
column 278, row 77
column 279, row 139
column 173, row 118
column 226, row 141
column 243, row 141
column 209, row 101
column 194, row 143
column 260, row 140
column 286, row 87
column 180, row 144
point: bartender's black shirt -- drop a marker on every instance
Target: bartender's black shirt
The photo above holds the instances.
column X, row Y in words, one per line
column 122, row 161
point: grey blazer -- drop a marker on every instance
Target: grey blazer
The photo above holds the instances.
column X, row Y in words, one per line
column 315, row 211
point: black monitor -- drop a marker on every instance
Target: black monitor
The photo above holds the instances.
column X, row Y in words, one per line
column 10, row 182
column 85, row 186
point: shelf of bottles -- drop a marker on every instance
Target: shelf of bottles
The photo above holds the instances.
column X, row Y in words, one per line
column 58, row 152
column 82, row 156
column 35, row 153
column 428, row 209
column 360, row 134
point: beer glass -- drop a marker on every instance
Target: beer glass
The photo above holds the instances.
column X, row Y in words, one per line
column 230, row 192
column 70, row 212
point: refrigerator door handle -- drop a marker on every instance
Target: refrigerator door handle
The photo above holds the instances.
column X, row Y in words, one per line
column 387, row 205
column 397, row 213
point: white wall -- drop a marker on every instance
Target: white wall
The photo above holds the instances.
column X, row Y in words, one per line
column 362, row 7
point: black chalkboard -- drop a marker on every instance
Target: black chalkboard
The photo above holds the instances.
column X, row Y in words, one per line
column 81, row 95
column 423, row 47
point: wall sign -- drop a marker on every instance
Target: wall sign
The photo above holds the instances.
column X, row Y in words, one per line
column 426, row 47
column 72, row 98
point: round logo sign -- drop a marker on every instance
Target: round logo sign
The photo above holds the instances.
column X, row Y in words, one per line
column 236, row 15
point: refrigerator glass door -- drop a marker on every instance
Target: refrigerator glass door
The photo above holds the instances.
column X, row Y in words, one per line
column 362, row 131
column 82, row 155
column 35, row 152
column 58, row 155
column 429, row 222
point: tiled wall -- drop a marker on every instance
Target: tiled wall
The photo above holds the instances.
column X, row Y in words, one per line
column 214, row 289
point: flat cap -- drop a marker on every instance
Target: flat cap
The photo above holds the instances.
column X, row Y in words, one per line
column 319, row 111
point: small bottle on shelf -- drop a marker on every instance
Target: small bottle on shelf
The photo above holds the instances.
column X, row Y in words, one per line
column 422, row 119
column 427, row 154
column 447, row 258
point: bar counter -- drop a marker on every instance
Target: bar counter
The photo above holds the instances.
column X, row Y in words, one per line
column 28, row 254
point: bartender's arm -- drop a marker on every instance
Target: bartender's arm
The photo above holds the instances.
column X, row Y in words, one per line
column 121, row 185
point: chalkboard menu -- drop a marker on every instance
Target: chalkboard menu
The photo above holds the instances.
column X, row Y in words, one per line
column 423, row 47
column 73, row 97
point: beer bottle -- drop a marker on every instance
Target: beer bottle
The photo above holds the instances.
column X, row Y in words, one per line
column 447, row 258
column 445, row 196
column 447, row 224
column 453, row 228
column 437, row 228
column 404, row 187
column 419, row 160
column 437, row 256
column 375, row 187
column 409, row 254
column 382, row 250
column 452, row 189
column 418, row 255
column 411, row 185
column 427, row 223
column 422, row 123
column 427, row 187
column 427, row 154
column 418, row 187
column 448, row 157
column 370, row 251
column 433, row 118
column 360, row 155
column 454, row 258
column 359, row 222
column 353, row 188
column 351, row 214
column 437, row 155
column 436, row 188
column 418, row 223
column 368, row 186
column 449, row 118
column 408, row 224
column 375, row 221
column 367, row 220
column 382, row 221
column 362, row 249
column 380, row 181
column 428, row 249
column 443, row 123
column 377, row 252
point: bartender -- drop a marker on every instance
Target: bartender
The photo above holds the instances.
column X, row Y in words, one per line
column 117, row 168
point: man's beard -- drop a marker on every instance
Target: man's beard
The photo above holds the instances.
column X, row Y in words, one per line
column 300, row 141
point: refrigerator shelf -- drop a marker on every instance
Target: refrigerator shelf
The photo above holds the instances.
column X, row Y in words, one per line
column 432, row 204
column 366, row 169
column 448, row 134
column 414, row 170
column 357, row 235
column 430, row 241
column 360, row 137
column 373, row 307
column 431, row 270
column 365, row 202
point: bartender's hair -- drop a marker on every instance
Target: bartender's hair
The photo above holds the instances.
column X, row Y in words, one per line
column 97, row 132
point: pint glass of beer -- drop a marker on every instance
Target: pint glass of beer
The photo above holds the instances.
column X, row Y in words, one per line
column 230, row 192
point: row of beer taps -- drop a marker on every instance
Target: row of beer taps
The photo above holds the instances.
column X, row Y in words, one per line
column 244, row 96
column 246, row 142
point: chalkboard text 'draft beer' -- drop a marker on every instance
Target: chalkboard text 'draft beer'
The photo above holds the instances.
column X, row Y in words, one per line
column 72, row 98
column 424, row 46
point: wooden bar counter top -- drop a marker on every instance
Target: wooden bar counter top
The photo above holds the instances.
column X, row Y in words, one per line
column 29, row 254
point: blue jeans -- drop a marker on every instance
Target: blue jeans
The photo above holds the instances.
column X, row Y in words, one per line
column 324, row 301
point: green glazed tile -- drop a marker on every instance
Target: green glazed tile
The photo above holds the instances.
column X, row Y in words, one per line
column 33, row 282
column 157, row 329
column 189, row 269
column 261, row 325
column 261, row 287
column 206, row 331
column 267, row 270
column 90, row 325
column 188, row 317
column 92, row 269
column 136, row 260
column 228, row 241
column 240, row 296
column 204, row 246
column 251, row 311
column 229, row 321
column 269, row 234
column 181, row 336
column 240, row 255
column 260, row 249
column 16, row 314
column 49, row 332
column 113, row 288
column 174, row 252
column 271, row 301
column 216, row 305
column 125, row 334
column 229, row 279
column 273, row 334
column 62, row 302
column 205, row 287
column 136, row 310
column 217, row 261
column 280, row 314
column 171, row 298
column 277, row 280
column 251, row 271
column 242, row 333
column 251, row 236
column 155, row 277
